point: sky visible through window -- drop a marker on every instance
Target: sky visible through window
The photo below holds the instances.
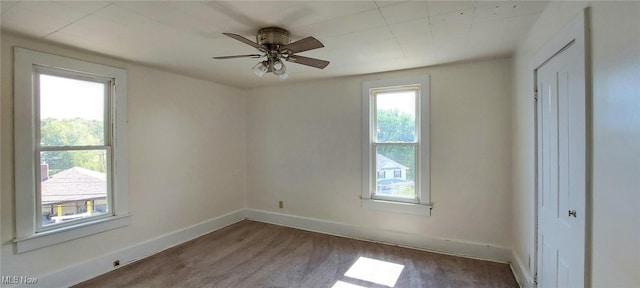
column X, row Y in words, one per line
column 64, row 98
column 404, row 101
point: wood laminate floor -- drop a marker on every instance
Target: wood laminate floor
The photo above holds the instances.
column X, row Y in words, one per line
column 254, row 254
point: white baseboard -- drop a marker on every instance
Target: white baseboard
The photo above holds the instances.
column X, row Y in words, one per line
column 97, row 266
column 520, row 271
column 444, row 246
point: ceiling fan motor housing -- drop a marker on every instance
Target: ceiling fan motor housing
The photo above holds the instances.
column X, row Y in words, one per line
column 272, row 37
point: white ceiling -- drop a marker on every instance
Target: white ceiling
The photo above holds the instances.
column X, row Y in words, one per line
column 360, row 36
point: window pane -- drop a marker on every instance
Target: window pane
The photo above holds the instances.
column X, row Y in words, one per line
column 398, row 164
column 71, row 112
column 73, row 185
column 396, row 116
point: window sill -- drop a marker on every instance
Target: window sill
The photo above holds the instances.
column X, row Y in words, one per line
column 48, row 238
column 397, row 207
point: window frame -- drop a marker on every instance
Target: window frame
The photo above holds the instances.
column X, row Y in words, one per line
column 27, row 63
column 421, row 205
column 107, row 141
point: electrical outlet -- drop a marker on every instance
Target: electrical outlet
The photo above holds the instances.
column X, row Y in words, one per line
column 281, row 204
column 116, row 263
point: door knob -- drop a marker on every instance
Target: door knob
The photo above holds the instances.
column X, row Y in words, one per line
column 572, row 213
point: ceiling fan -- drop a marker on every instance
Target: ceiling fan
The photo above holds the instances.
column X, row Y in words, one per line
column 275, row 44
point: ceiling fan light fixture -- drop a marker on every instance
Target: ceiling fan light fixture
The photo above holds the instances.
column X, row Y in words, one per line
column 283, row 76
column 279, row 68
column 260, row 69
column 277, row 65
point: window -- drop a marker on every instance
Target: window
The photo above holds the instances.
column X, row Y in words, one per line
column 70, row 145
column 396, row 142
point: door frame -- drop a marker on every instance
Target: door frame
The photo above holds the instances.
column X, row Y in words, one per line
column 575, row 33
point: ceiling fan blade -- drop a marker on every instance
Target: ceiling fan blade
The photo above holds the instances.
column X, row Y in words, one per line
column 301, row 45
column 238, row 56
column 313, row 62
column 245, row 41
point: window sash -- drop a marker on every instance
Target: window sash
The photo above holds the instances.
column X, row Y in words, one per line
column 109, row 182
column 374, row 190
column 109, row 85
column 374, row 109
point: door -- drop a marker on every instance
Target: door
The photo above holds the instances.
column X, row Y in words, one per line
column 561, row 123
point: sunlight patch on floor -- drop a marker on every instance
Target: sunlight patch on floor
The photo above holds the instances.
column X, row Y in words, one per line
column 375, row 271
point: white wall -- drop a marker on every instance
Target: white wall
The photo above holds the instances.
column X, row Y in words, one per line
column 616, row 145
column 304, row 147
column 615, row 226
column 186, row 165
